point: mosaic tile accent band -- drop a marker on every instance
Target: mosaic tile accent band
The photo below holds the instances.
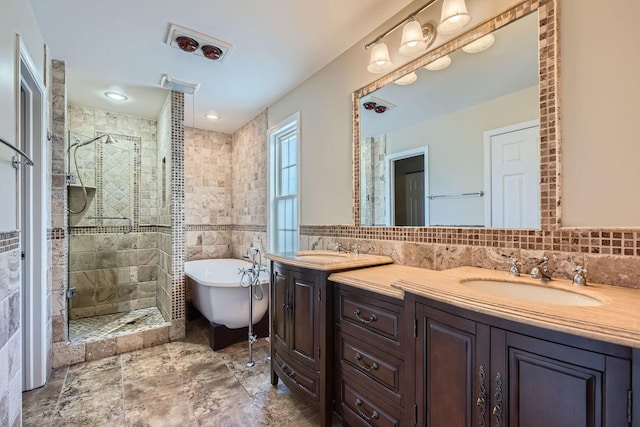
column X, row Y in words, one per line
column 225, row 227
column 605, row 242
column 177, row 205
column 56, row 234
column 9, row 241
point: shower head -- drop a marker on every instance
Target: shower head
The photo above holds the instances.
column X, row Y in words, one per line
column 109, row 140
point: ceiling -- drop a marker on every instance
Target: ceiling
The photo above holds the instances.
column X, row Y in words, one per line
column 277, row 44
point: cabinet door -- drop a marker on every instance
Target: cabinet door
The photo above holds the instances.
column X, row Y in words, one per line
column 281, row 308
column 305, row 318
column 549, row 384
column 452, row 370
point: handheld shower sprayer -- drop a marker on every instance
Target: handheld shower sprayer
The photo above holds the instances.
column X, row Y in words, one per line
column 109, row 140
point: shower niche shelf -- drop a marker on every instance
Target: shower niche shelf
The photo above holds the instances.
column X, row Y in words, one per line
column 76, row 196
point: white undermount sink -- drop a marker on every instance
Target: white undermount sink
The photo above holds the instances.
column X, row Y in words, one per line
column 531, row 293
column 322, row 256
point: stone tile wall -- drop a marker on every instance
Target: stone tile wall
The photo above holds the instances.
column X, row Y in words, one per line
column 164, row 164
column 112, row 273
column 10, row 333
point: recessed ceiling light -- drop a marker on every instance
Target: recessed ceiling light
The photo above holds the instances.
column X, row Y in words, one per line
column 212, row 116
column 116, row 96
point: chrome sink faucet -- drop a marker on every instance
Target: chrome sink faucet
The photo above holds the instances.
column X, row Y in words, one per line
column 540, row 271
column 580, row 278
column 514, row 270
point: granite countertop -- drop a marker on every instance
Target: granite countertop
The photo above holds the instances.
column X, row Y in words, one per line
column 616, row 321
column 328, row 260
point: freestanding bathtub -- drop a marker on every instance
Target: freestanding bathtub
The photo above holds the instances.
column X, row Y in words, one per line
column 218, row 295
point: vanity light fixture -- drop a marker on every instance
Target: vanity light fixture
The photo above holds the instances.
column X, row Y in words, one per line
column 407, row 79
column 116, row 96
column 439, row 64
column 414, row 41
column 380, row 61
column 481, row 44
column 416, row 38
column 454, row 16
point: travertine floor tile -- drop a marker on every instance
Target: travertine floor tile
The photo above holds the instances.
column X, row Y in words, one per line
column 182, row 383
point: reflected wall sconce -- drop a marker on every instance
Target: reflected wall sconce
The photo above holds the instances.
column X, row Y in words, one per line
column 416, row 38
column 407, row 79
column 439, row 64
column 481, row 44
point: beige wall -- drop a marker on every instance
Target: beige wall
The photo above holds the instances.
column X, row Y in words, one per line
column 599, row 93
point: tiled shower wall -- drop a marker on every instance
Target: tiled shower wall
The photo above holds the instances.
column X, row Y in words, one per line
column 113, row 268
column 373, row 152
column 10, row 340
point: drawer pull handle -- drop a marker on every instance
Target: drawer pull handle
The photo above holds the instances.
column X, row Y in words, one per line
column 373, row 367
column 290, row 373
column 372, row 318
column 497, row 409
column 374, row 414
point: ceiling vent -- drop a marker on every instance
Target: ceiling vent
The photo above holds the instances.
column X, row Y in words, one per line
column 193, row 42
column 378, row 105
column 180, row 85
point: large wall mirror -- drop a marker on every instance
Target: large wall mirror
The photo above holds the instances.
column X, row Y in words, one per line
column 459, row 145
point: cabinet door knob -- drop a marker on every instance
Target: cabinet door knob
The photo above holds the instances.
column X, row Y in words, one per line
column 371, row 318
column 374, row 414
column 373, row 367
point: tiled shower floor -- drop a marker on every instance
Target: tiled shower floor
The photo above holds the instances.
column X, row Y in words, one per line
column 111, row 325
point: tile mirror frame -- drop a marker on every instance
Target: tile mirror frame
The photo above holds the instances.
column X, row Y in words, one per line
column 550, row 207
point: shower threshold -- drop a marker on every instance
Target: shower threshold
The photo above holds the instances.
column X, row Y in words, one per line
column 98, row 328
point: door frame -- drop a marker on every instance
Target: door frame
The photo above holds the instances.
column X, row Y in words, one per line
column 390, row 181
column 32, row 219
column 487, row 135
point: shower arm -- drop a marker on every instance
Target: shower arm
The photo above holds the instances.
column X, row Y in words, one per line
column 113, row 217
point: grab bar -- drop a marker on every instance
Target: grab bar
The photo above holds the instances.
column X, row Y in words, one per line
column 14, row 160
column 477, row 193
column 113, row 217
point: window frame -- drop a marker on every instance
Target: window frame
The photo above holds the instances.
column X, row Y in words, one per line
column 275, row 136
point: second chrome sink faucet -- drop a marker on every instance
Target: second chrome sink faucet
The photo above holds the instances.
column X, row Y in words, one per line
column 540, row 271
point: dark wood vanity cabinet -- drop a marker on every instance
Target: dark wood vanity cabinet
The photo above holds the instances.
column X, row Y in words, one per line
column 478, row 370
column 370, row 370
column 301, row 340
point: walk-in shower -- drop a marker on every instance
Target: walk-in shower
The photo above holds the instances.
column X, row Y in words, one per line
column 112, row 258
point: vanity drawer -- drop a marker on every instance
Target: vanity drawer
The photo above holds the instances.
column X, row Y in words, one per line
column 296, row 377
column 361, row 408
column 374, row 363
column 370, row 314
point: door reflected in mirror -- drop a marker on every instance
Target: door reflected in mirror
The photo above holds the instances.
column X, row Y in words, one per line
column 476, row 121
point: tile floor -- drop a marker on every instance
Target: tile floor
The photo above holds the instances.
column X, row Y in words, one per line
column 182, row 383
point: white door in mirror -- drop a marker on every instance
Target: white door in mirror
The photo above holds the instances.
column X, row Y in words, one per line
column 514, row 197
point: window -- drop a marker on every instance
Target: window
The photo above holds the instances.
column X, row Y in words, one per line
column 283, row 186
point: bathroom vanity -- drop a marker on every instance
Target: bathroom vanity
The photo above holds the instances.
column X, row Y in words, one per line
column 301, row 321
column 461, row 357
